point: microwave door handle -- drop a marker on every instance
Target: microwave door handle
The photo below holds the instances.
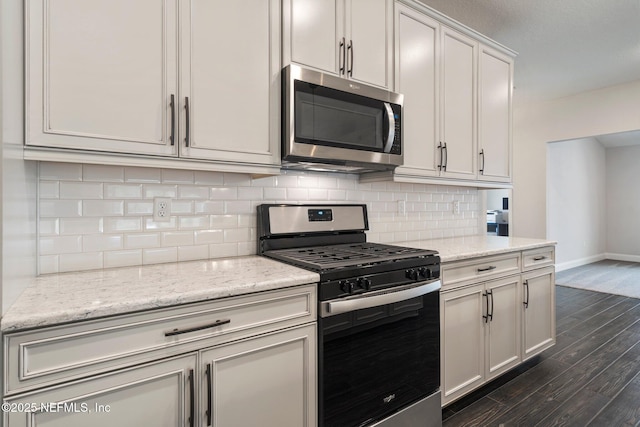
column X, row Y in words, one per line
column 392, row 128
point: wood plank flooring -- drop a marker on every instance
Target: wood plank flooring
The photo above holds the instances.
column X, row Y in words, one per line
column 591, row 377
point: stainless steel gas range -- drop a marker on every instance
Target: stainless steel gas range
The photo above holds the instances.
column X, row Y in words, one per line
column 379, row 322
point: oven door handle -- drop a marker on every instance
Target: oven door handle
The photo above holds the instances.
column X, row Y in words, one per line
column 331, row 308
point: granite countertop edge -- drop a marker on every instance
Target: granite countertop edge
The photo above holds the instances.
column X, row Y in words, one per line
column 62, row 298
column 468, row 247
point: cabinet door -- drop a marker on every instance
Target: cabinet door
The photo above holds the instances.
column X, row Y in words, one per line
column 417, row 76
column 458, row 104
column 539, row 329
column 230, row 81
column 100, row 75
column 268, row 381
column 495, row 82
column 503, row 349
column 369, row 41
column 312, row 32
column 462, row 340
column 156, row 394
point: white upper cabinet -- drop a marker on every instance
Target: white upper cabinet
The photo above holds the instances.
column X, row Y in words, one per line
column 417, row 75
column 100, row 75
column 348, row 38
column 198, row 79
column 495, row 81
column 458, row 137
column 229, row 85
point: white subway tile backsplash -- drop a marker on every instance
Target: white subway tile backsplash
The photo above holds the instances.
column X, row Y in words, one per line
column 213, row 214
column 122, row 191
column 249, row 193
column 208, row 178
column 193, row 222
column 177, row 238
column 49, row 226
column 48, row 264
column 193, row 192
column 81, row 225
column 138, row 208
column 223, row 193
column 238, row 207
column 49, row 189
column 141, row 240
column 102, row 207
column 150, row 224
column 208, row 207
column 179, row 207
column 223, row 221
column 208, row 236
column 52, row 245
column 143, row 175
column 152, row 190
column 116, row 225
column 177, row 176
column 102, row 173
column 222, row 250
column 60, row 171
column 159, row 255
column 60, row 208
column 79, row 262
column 123, row 258
column 80, row 190
column 102, row 242
column 191, row 253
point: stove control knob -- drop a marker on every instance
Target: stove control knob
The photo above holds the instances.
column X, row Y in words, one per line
column 346, row 286
column 364, row 283
column 425, row 272
column 412, row 274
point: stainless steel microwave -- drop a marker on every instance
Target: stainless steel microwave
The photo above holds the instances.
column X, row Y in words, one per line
column 331, row 123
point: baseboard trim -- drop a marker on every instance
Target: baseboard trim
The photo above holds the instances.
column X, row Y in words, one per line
column 582, row 261
column 623, row 257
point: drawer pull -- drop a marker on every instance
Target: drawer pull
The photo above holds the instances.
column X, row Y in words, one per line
column 491, row 267
column 197, row 328
column 539, row 258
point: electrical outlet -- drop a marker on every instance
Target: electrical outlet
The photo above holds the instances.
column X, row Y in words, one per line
column 402, row 207
column 161, row 209
column 456, row 206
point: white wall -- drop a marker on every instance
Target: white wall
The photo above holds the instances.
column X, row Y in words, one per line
column 623, row 201
column 577, row 197
column 18, row 177
column 608, row 110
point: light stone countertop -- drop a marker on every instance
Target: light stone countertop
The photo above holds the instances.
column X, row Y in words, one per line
column 459, row 248
column 67, row 297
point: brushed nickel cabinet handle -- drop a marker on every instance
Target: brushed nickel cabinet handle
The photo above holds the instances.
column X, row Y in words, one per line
column 197, row 328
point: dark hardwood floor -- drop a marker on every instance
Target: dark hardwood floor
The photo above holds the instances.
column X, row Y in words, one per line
column 591, row 377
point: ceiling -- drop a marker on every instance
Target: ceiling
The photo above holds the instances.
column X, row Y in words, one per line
column 564, row 46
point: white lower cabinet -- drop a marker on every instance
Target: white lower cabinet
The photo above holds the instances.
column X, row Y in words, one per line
column 491, row 324
column 240, row 361
column 157, row 394
column 481, row 334
column 462, row 341
column 539, row 325
column 266, row 381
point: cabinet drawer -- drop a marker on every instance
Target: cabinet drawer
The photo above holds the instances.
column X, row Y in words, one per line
column 480, row 268
column 536, row 258
column 48, row 355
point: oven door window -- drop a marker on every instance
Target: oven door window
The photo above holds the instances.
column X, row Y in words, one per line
column 378, row 360
column 325, row 116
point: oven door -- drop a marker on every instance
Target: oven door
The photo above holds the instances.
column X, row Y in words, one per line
column 379, row 353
